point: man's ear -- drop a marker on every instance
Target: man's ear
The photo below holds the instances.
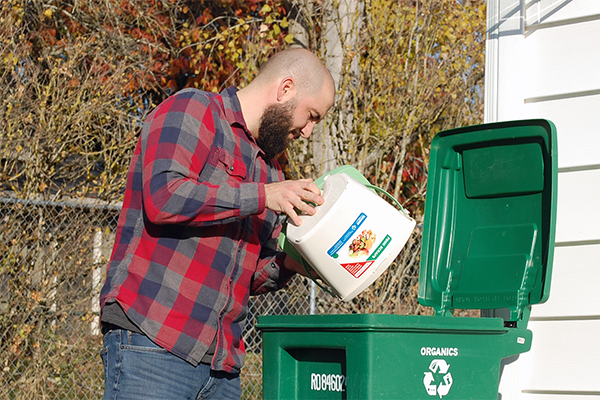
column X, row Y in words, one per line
column 286, row 90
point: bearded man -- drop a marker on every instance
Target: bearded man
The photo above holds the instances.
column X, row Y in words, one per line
column 198, row 231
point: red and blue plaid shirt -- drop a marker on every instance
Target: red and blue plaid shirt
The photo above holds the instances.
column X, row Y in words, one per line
column 194, row 239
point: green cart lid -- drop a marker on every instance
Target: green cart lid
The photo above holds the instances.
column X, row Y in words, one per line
column 490, row 217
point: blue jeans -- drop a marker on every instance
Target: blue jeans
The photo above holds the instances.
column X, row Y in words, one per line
column 135, row 368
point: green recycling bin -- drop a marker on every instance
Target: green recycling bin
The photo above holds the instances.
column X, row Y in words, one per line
column 488, row 243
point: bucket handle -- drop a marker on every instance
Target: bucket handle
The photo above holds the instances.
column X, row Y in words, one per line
column 394, row 200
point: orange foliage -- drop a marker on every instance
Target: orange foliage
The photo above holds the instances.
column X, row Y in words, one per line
column 77, row 78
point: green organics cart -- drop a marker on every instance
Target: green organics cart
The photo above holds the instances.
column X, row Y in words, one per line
column 488, row 243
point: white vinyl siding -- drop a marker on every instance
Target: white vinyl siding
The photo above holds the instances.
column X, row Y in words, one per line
column 581, row 146
column 557, row 60
column 574, row 291
column 578, row 218
column 543, row 61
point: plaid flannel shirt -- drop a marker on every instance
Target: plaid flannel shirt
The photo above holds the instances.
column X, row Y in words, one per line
column 194, row 239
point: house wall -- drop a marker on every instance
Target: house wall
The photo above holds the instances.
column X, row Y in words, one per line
column 543, row 61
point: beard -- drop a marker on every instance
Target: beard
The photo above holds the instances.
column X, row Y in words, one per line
column 275, row 128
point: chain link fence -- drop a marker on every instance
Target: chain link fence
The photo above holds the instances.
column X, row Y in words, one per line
column 52, row 265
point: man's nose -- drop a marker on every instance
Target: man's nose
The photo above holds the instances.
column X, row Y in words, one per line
column 307, row 130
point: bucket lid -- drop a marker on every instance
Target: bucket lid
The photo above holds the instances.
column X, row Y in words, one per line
column 490, row 217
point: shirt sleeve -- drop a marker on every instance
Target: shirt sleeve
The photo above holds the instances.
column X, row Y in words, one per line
column 271, row 274
column 176, row 143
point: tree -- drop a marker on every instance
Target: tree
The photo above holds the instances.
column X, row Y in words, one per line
column 420, row 71
column 77, row 78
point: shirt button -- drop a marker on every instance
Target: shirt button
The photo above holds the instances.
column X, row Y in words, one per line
column 231, row 168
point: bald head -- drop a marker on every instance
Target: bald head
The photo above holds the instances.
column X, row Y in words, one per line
column 295, row 79
column 307, row 70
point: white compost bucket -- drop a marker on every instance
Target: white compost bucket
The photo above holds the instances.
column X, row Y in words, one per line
column 353, row 237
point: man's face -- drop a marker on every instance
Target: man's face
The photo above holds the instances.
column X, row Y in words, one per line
column 275, row 130
column 282, row 123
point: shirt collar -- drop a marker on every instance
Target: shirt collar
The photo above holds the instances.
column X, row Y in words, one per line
column 233, row 112
column 233, row 109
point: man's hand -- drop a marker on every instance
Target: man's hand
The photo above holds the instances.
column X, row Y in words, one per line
column 287, row 196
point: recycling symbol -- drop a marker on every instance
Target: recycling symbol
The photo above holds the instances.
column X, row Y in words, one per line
column 438, row 373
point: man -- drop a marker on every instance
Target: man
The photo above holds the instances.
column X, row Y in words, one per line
column 197, row 232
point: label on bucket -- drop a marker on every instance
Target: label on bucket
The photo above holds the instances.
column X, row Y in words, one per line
column 360, row 246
